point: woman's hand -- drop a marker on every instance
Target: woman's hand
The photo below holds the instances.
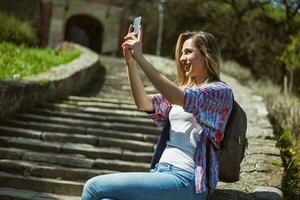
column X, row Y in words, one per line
column 132, row 47
column 126, row 48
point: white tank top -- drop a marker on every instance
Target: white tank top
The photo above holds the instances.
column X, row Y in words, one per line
column 181, row 147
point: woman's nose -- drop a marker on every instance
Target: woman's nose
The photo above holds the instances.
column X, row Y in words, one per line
column 182, row 58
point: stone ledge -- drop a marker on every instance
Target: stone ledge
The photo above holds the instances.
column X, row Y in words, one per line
column 58, row 81
column 259, row 193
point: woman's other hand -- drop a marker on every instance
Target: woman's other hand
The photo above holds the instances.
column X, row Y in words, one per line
column 132, row 47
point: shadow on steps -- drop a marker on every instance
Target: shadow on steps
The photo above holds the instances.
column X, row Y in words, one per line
column 268, row 193
column 95, row 85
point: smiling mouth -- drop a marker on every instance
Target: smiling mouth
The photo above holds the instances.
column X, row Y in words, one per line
column 187, row 67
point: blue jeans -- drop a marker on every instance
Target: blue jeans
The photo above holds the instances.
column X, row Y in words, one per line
column 164, row 182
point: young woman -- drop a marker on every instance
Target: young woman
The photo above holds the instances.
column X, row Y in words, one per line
column 196, row 110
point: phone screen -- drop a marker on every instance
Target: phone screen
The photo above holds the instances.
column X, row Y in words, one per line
column 136, row 23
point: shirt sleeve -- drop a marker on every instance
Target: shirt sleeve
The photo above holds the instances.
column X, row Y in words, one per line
column 161, row 109
column 211, row 107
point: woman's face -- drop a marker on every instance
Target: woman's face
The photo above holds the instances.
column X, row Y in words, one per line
column 192, row 60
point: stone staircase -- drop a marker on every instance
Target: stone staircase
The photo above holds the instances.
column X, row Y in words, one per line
column 50, row 150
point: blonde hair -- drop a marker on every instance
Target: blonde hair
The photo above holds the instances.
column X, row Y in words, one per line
column 208, row 46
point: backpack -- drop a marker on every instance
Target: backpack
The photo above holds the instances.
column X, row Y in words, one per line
column 232, row 149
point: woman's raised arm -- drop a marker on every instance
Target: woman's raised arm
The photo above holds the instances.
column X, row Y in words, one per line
column 142, row 101
column 166, row 87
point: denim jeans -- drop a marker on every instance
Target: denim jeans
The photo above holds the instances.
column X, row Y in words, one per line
column 164, row 182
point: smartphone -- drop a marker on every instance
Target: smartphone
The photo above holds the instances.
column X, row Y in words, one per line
column 136, row 22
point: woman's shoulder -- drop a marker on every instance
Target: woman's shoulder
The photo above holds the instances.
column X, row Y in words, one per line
column 211, row 87
column 217, row 85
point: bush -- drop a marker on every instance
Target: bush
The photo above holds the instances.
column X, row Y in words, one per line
column 16, row 31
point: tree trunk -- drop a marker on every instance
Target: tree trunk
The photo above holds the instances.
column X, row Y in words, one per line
column 291, row 81
column 285, row 89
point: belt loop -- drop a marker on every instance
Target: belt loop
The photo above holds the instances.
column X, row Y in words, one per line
column 170, row 167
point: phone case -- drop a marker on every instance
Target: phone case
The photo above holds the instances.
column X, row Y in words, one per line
column 136, row 23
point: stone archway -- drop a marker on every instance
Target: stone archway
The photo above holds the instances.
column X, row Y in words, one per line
column 85, row 30
column 101, row 20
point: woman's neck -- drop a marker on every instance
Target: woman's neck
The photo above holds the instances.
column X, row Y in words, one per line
column 193, row 84
column 201, row 80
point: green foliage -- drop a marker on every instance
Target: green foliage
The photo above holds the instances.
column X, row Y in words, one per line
column 274, row 13
column 291, row 55
column 291, row 160
column 16, row 31
column 19, row 61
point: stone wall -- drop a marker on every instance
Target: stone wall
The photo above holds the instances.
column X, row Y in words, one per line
column 58, row 81
column 109, row 16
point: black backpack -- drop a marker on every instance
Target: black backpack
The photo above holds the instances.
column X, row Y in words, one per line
column 232, row 149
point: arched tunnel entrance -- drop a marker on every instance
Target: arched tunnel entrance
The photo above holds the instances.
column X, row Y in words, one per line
column 85, row 30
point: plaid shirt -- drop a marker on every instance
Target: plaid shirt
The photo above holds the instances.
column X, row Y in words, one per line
column 211, row 106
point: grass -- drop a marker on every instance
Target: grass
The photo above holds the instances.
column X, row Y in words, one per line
column 17, row 61
column 284, row 114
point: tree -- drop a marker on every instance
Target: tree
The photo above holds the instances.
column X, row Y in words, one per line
column 291, row 58
column 292, row 8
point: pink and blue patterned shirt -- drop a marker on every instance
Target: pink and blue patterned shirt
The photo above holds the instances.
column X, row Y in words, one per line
column 211, row 106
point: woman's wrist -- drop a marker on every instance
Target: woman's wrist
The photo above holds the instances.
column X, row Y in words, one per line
column 130, row 62
column 140, row 59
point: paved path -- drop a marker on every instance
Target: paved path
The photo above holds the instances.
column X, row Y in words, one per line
column 49, row 151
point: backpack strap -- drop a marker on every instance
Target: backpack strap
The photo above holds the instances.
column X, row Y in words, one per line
column 161, row 145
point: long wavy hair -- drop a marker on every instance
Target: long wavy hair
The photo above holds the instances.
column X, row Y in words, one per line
column 208, row 46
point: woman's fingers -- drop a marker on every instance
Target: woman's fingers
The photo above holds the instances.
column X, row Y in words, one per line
column 130, row 28
column 129, row 42
column 134, row 36
column 140, row 35
column 130, row 36
column 127, row 45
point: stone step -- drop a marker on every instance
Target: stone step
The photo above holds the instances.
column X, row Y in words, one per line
column 105, row 105
column 7, row 193
column 69, row 160
column 36, row 169
column 122, row 135
column 55, row 126
column 123, row 88
column 41, row 184
column 109, row 88
column 93, row 117
column 124, row 165
column 95, row 111
column 75, row 138
column 72, row 160
column 114, row 96
column 88, row 150
column 38, row 120
column 117, row 75
column 117, row 85
column 19, row 132
column 98, row 99
column 89, row 119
